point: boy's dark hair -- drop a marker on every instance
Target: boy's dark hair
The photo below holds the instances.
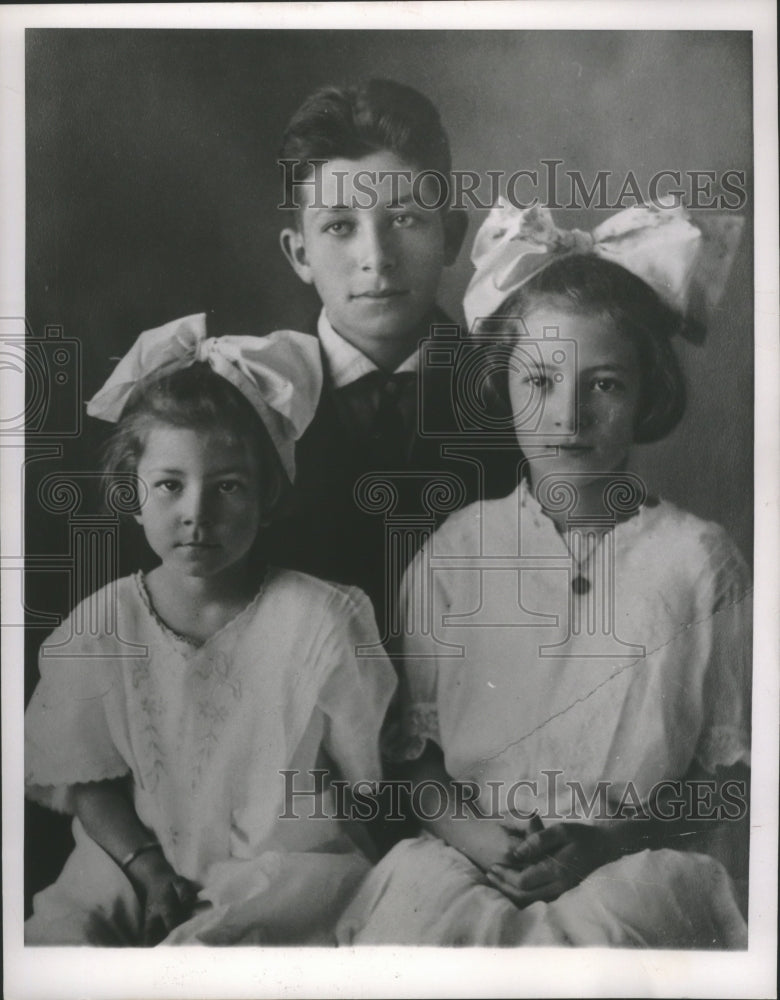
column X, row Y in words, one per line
column 353, row 121
column 198, row 399
column 593, row 285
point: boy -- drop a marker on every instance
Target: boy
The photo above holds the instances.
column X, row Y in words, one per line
column 363, row 166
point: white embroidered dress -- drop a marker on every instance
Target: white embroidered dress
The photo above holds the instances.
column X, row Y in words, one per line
column 526, row 686
column 205, row 732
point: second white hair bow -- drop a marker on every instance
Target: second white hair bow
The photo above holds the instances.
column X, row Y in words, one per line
column 680, row 260
column 280, row 375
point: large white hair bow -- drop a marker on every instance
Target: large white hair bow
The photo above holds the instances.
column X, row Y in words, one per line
column 686, row 263
column 280, row 375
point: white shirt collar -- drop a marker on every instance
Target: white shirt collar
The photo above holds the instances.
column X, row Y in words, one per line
column 347, row 364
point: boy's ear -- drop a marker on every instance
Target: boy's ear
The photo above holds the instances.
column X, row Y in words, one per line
column 294, row 249
column 455, row 223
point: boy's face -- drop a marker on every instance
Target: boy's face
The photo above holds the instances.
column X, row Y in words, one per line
column 374, row 255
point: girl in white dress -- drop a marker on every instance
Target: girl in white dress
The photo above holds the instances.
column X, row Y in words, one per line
column 179, row 728
column 576, row 662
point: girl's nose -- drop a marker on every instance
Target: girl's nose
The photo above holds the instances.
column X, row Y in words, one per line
column 196, row 507
column 377, row 252
column 564, row 412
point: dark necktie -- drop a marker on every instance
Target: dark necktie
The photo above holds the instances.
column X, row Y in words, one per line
column 380, row 408
column 391, row 433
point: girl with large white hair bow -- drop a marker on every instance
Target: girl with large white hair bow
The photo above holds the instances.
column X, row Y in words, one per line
column 167, row 727
column 575, row 692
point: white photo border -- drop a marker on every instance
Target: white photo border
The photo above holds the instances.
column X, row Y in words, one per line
column 243, row 972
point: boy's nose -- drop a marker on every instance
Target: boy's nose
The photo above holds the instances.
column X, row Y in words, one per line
column 376, row 251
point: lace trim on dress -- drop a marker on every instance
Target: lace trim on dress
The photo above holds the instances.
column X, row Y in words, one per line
column 406, row 740
column 170, row 633
column 58, row 795
column 724, row 746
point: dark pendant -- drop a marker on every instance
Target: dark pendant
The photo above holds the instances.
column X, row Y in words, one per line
column 580, row 585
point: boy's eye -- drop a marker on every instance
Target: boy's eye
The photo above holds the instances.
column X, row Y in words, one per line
column 338, row 228
column 404, row 220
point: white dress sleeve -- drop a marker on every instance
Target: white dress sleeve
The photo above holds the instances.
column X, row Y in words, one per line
column 417, row 717
column 725, row 735
column 357, row 692
column 67, row 737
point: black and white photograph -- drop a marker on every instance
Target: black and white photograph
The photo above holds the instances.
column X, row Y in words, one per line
column 390, row 485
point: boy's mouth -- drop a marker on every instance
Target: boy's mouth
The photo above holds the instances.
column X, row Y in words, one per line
column 381, row 293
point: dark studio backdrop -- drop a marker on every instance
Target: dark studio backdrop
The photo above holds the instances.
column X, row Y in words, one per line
column 152, row 188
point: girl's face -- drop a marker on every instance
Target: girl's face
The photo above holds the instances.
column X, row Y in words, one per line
column 200, row 492
column 574, row 393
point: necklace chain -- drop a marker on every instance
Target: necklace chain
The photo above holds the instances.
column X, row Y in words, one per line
column 580, row 583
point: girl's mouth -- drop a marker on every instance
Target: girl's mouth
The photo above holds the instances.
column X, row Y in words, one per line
column 555, row 447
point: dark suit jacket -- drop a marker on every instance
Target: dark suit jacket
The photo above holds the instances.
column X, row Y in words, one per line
column 367, row 536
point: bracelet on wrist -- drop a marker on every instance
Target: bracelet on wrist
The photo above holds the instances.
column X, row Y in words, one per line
column 125, row 863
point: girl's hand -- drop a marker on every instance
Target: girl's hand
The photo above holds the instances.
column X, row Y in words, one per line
column 551, row 861
column 485, row 842
column 169, row 902
column 168, row 899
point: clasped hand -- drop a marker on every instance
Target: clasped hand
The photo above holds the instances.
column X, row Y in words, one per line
column 550, row 861
column 169, row 902
column 167, row 898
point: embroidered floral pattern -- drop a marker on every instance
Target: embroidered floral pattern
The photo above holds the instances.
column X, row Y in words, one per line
column 151, row 710
column 214, row 708
column 216, row 688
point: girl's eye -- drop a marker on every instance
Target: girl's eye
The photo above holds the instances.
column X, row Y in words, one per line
column 168, row 485
column 606, row 384
column 538, row 381
column 228, row 486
